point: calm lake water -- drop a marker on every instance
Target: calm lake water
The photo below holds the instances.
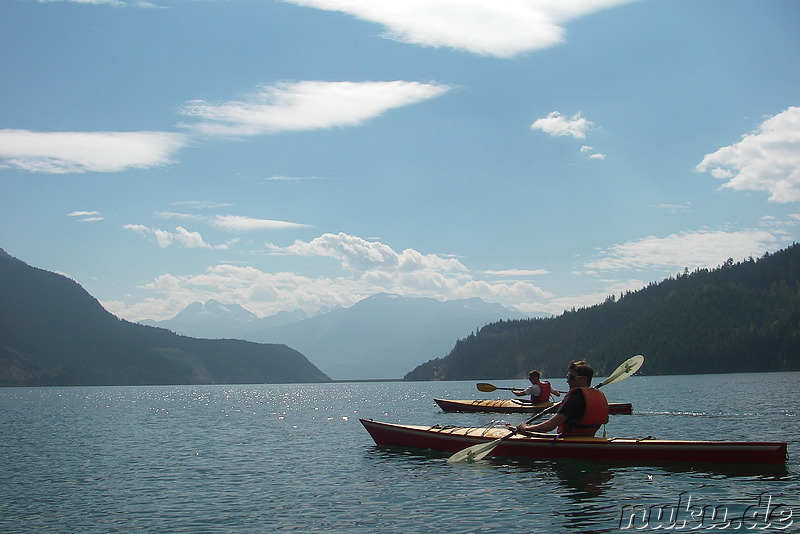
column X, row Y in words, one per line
column 294, row 458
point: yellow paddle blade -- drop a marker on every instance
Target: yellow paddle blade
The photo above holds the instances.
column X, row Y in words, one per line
column 486, row 388
column 626, row 369
column 475, row 452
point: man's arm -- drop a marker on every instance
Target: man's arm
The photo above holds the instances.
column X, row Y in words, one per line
column 547, row 426
column 572, row 406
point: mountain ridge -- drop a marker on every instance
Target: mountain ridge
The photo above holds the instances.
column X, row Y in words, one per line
column 739, row 317
column 54, row 333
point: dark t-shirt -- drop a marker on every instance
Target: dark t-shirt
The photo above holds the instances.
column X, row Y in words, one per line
column 573, row 406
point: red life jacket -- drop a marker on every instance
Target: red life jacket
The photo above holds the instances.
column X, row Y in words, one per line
column 594, row 416
column 544, row 393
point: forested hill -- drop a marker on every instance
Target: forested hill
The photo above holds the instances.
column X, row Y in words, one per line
column 739, row 317
column 52, row 332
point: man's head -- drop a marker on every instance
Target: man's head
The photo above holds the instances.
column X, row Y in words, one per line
column 534, row 376
column 579, row 374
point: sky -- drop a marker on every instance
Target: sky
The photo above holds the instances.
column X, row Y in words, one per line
column 306, row 154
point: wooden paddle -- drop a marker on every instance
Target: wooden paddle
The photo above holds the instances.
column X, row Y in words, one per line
column 488, row 388
column 479, row 451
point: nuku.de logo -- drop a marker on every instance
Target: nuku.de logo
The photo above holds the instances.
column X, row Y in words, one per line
column 692, row 516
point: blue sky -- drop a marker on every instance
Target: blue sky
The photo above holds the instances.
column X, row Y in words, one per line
column 303, row 154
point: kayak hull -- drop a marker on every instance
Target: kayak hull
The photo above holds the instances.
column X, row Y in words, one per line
column 645, row 451
column 514, row 406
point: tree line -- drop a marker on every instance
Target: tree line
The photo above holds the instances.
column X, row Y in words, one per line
column 739, row 317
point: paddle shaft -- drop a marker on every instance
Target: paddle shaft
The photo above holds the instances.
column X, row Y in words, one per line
column 476, row 452
column 488, row 388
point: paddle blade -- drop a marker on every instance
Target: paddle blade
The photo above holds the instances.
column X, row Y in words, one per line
column 475, row 452
column 626, row 369
column 486, row 388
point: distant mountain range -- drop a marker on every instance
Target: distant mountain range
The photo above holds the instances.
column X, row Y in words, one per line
column 52, row 332
column 381, row 337
column 214, row 320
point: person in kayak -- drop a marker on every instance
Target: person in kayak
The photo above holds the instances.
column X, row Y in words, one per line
column 582, row 412
column 539, row 390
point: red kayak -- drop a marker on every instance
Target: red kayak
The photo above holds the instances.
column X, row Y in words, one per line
column 514, row 406
column 545, row 446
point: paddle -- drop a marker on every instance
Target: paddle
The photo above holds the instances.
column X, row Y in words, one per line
column 479, row 451
column 488, row 388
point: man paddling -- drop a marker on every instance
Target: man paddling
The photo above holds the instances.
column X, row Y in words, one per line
column 582, row 412
column 539, row 390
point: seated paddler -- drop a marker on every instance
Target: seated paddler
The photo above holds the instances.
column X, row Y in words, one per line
column 539, row 390
column 582, row 411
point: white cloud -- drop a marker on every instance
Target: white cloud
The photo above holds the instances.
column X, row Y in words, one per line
column 82, row 213
column 181, row 236
column 367, row 268
column 306, row 105
column 87, row 216
column 182, row 216
column 238, row 223
column 557, row 125
column 80, row 152
column 357, row 254
column 703, row 249
column 505, row 273
column 767, row 159
column 484, row 27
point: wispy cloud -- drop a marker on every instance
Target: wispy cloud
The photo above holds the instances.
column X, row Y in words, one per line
column 702, row 249
column 112, row 3
column 674, row 208
column 238, row 223
column 115, row 3
column 80, row 152
column 517, row 273
column 202, row 204
column 767, row 159
column 294, row 179
column 306, row 105
column 86, row 216
column 181, row 236
column 558, row 125
column 178, row 215
column 484, row 27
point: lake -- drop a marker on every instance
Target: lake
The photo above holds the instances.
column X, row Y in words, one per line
column 294, row 458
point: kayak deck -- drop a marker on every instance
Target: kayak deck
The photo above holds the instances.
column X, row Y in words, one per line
column 514, row 406
column 629, row 450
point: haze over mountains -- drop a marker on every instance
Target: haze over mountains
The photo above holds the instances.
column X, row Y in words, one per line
column 381, row 337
